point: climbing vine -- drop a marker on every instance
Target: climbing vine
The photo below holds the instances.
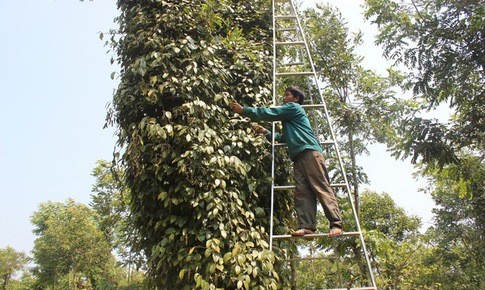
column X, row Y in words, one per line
column 199, row 177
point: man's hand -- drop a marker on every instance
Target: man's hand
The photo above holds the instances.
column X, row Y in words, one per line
column 236, row 107
column 259, row 129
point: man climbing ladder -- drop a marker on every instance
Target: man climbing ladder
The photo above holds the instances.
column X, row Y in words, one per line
column 310, row 173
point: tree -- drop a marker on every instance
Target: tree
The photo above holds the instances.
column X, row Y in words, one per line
column 69, row 242
column 110, row 202
column 441, row 43
column 11, row 262
column 394, row 239
column 457, row 236
column 198, row 178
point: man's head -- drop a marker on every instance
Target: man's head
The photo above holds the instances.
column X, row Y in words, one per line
column 294, row 94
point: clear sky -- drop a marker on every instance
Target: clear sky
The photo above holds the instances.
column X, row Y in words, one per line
column 54, row 86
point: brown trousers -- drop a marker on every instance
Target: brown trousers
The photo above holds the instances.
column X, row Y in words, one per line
column 312, row 183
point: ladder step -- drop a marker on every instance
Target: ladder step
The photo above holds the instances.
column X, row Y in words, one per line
column 282, row 1
column 345, row 234
column 290, row 43
column 294, row 74
column 290, row 187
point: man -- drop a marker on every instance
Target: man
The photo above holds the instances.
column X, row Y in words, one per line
column 310, row 173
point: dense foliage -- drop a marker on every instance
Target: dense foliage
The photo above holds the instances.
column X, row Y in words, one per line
column 198, row 177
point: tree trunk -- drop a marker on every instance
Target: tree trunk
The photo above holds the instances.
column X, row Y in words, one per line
column 74, row 282
column 293, row 272
column 354, row 174
column 6, row 278
column 360, row 261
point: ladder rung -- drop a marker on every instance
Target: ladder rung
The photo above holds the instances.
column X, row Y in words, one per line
column 292, row 74
column 313, row 106
column 326, row 143
column 285, row 17
column 290, row 187
column 292, row 64
column 282, row 1
column 345, row 234
column 287, row 29
column 284, row 187
column 311, row 258
column 290, row 43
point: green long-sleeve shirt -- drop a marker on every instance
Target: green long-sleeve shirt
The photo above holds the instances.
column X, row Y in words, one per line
column 297, row 132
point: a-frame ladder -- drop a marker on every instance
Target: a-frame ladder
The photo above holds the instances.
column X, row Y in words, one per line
column 292, row 60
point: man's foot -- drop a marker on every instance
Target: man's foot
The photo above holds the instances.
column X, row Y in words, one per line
column 302, row 232
column 335, row 232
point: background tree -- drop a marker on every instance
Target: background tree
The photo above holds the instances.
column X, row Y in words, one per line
column 110, row 201
column 199, row 179
column 69, row 242
column 441, row 43
column 457, row 237
column 11, row 262
column 394, row 240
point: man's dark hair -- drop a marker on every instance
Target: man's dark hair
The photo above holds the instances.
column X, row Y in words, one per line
column 297, row 92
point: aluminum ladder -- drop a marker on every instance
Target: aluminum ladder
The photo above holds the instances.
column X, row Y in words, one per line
column 292, row 60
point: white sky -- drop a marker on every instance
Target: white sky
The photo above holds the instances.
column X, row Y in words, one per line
column 54, row 86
